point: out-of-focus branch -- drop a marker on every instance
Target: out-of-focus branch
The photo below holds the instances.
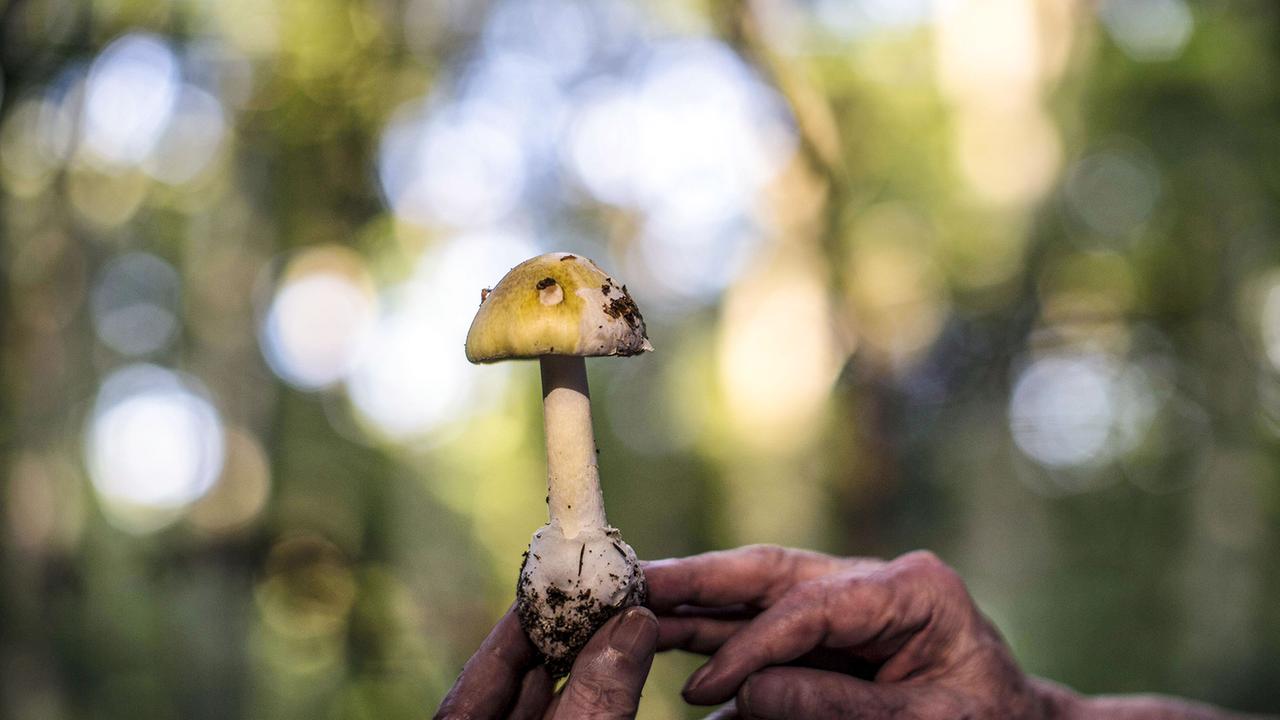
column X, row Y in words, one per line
column 874, row 466
column 738, row 23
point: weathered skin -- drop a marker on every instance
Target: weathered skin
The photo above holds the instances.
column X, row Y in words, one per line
column 569, row 587
column 796, row 634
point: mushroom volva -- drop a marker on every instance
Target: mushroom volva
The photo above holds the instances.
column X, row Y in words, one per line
column 561, row 308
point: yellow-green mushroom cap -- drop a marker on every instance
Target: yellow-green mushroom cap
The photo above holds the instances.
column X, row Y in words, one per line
column 556, row 304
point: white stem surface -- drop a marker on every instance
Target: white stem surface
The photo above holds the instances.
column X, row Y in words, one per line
column 574, row 500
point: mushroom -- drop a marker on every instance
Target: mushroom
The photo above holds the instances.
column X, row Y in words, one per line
column 578, row 572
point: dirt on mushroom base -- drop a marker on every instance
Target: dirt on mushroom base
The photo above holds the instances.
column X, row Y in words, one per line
column 559, row 621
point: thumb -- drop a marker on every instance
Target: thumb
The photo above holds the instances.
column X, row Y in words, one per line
column 787, row 693
column 610, row 671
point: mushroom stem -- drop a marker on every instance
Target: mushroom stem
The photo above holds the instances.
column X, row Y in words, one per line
column 574, row 499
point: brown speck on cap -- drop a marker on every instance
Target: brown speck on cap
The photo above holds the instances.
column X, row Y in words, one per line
column 545, row 283
column 625, row 308
column 568, row 257
column 484, row 294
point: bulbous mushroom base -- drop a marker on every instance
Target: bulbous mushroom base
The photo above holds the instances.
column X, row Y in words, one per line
column 569, row 587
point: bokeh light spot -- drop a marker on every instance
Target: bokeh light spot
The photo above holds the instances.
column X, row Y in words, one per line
column 689, row 140
column 998, row 172
column 414, row 377
column 1061, row 410
column 1148, row 30
column 129, row 98
column 458, row 164
column 552, row 33
column 35, row 141
column 1082, row 410
column 777, row 356
column 861, row 18
column 320, row 318
column 135, row 303
column 600, row 147
column 107, row 200
column 191, row 140
column 154, row 445
column 308, row 588
column 242, row 491
column 896, row 294
column 1113, row 191
column 44, row 505
column 1269, row 319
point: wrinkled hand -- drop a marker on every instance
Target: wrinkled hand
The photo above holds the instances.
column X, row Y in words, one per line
column 505, row 678
column 795, row 634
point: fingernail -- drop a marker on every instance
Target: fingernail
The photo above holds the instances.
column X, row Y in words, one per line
column 635, row 634
column 696, row 679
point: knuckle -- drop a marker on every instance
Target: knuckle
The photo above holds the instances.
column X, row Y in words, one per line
column 778, row 558
column 828, row 598
column 766, row 553
column 846, row 589
column 926, row 563
column 813, row 591
column 603, row 691
column 593, row 698
column 928, row 567
column 813, row 604
column 951, row 582
column 922, row 559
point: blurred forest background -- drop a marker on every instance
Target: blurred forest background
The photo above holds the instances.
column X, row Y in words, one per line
column 996, row 277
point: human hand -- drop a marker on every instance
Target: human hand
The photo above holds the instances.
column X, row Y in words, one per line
column 505, row 677
column 795, row 634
